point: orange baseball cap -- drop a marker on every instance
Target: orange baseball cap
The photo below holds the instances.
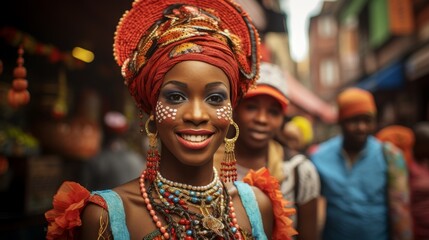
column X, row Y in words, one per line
column 272, row 82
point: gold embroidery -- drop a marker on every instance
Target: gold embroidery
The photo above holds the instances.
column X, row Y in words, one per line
column 185, row 48
column 103, row 233
column 178, row 24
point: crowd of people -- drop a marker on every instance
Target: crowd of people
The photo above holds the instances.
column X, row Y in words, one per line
column 225, row 160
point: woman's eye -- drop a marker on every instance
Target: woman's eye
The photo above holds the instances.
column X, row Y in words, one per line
column 216, row 99
column 275, row 112
column 251, row 107
column 175, row 98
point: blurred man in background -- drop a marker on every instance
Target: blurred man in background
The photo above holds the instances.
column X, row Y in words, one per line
column 356, row 171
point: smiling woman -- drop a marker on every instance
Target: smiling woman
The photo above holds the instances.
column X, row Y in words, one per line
column 187, row 64
column 260, row 116
column 199, row 132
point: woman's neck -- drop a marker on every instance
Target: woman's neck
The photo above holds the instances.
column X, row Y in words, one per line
column 255, row 159
column 173, row 170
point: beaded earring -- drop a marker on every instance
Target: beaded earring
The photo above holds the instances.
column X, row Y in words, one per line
column 228, row 168
column 153, row 156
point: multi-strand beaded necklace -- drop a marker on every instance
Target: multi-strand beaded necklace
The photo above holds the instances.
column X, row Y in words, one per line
column 213, row 216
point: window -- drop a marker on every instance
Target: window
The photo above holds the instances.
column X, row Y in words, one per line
column 326, row 27
column 328, row 72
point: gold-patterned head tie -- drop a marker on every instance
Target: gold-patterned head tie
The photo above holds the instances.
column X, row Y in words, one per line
column 179, row 22
column 154, row 35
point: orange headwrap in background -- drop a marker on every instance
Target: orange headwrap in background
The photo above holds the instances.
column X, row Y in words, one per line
column 400, row 136
column 355, row 101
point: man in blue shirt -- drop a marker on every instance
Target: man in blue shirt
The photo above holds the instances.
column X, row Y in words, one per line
column 353, row 172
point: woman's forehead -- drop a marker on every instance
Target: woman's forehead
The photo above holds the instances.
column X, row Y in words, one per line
column 196, row 72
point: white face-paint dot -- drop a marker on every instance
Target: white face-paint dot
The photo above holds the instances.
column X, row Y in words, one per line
column 224, row 112
column 164, row 112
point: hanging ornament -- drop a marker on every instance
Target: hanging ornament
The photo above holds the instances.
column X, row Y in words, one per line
column 18, row 95
column 60, row 106
column 4, row 165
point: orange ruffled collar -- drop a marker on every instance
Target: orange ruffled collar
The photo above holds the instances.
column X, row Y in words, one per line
column 68, row 203
column 262, row 179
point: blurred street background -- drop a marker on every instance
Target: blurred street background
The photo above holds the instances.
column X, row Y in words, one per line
column 73, row 81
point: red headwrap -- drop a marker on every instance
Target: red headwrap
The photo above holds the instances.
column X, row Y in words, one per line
column 157, row 34
column 145, row 88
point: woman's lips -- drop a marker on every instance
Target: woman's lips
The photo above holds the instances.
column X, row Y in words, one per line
column 257, row 135
column 194, row 139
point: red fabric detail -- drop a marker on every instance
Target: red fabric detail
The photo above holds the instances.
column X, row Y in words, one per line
column 97, row 199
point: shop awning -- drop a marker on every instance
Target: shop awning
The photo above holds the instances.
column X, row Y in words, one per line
column 301, row 96
column 388, row 78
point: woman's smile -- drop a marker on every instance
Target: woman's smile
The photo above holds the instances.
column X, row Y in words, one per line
column 258, row 135
column 194, row 139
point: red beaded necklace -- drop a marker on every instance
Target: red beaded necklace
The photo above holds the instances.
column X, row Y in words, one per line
column 212, row 222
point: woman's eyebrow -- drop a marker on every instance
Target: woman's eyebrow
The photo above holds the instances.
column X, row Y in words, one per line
column 176, row 83
column 214, row 84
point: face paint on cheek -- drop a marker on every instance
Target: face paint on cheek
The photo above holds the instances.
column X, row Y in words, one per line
column 225, row 112
column 164, row 112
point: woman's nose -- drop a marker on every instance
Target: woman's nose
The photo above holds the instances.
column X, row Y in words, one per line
column 261, row 116
column 196, row 112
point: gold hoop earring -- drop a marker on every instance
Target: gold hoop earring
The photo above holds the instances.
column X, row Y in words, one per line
column 153, row 156
column 228, row 165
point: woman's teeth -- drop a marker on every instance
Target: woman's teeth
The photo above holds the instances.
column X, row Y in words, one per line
column 195, row 138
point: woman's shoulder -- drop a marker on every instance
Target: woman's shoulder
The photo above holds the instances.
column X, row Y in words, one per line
column 265, row 207
column 71, row 199
column 306, row 168
column 250, row 195
column 95, row 219
column 124, row 212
